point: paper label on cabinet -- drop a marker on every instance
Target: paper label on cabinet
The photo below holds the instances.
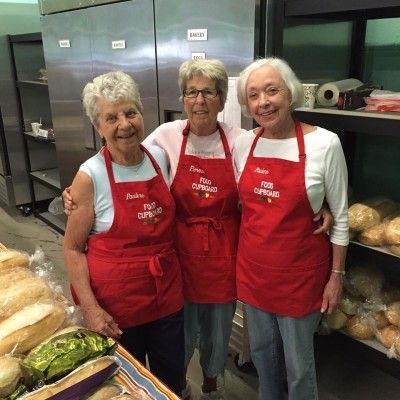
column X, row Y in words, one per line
column 118, row 44
column 64, row 43
column 197, row 34
column 198, row 56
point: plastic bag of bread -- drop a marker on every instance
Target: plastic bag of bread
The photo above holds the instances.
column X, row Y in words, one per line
column 388, row 335
column 359, row 327
column 395, row 249
column 349, row 303
column 373, row 236
column 378, row 320
column 336, row 320
column 21, row 293
column 365, row 280
column 13, row 258
column 13, row 377
column 392, row 231
column 369, row 213
column 79, row 382
column 65, row 351
column 30, row 326
column 393, row 313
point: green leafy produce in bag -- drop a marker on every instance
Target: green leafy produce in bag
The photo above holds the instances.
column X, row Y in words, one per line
column 60, row 355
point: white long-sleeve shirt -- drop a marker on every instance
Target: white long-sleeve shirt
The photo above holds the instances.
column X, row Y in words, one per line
column 325, row 171
column 169, row 137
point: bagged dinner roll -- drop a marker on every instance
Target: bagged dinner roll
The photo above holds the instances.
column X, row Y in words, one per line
column 349, row 303
column 366, row 281
column 374, row 236
column 22, row 293
column 79, row 382
column 393, row 313
column 12, row 377
column 388, row 335
column 12, row 259
column 336, row 320
column 359, row 327
column 395, row 249
column 104, row 392
column 29, row 326
column 370, row 213
column 392, row 232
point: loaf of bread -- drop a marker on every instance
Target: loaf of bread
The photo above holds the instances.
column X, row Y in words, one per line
column 29, row 326
column 359, row 327
column 9, row 276
column 366, row 280
column 336, row 320
column 11, row 375
column 80, row 381
column 365, row 215
column 393, row 313
column 104, row 392
column 12, row 259
column 374, row 236
column 392, row 231
column 388, row 335
column 23, row 293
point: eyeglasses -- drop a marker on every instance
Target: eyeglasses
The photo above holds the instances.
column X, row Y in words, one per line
column 206, row 93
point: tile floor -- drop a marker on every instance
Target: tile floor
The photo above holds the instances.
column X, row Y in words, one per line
column 346, row 369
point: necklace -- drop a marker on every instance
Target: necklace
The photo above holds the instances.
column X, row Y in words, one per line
column 136, row 167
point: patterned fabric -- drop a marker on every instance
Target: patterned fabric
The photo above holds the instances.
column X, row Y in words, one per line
column 133, row 376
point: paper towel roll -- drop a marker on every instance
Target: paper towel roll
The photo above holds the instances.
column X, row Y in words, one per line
column 328, row 94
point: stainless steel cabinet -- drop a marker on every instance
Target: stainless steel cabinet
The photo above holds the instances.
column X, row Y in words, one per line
column 81, row 44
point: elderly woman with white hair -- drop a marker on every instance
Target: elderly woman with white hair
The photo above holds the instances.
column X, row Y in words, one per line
column 207, row 216
column 118, row 244
column 286, row 275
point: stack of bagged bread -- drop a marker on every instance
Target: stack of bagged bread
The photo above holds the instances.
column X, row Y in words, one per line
column 41, row 355
column 369, row 308
column 376, row 222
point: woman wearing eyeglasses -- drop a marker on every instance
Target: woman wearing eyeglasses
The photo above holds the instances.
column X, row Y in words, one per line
column 207, row 216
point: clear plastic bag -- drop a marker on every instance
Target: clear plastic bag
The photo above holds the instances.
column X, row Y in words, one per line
column 56, row 207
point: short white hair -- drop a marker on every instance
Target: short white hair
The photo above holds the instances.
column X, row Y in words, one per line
column 289, row 77
column 211, row 69
column 113, row 87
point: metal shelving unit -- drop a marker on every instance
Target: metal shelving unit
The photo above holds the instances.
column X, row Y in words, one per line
column 353, row 123
column 33, row 98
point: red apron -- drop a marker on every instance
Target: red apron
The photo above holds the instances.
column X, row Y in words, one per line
column 281, row 266
column 134, row 270
column 207, row 224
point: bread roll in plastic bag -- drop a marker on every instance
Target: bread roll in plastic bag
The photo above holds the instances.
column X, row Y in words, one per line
column 388, row 335
column 374, row 236
column 369, row 213
column 395, row 249
column 349, row 303
column 359, row 327
column 366, row 280
column 392, row 232
column 393, row 313
column 336, row 320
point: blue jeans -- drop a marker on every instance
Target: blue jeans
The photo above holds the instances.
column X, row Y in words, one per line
column 276, row 341
column 214, row 324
